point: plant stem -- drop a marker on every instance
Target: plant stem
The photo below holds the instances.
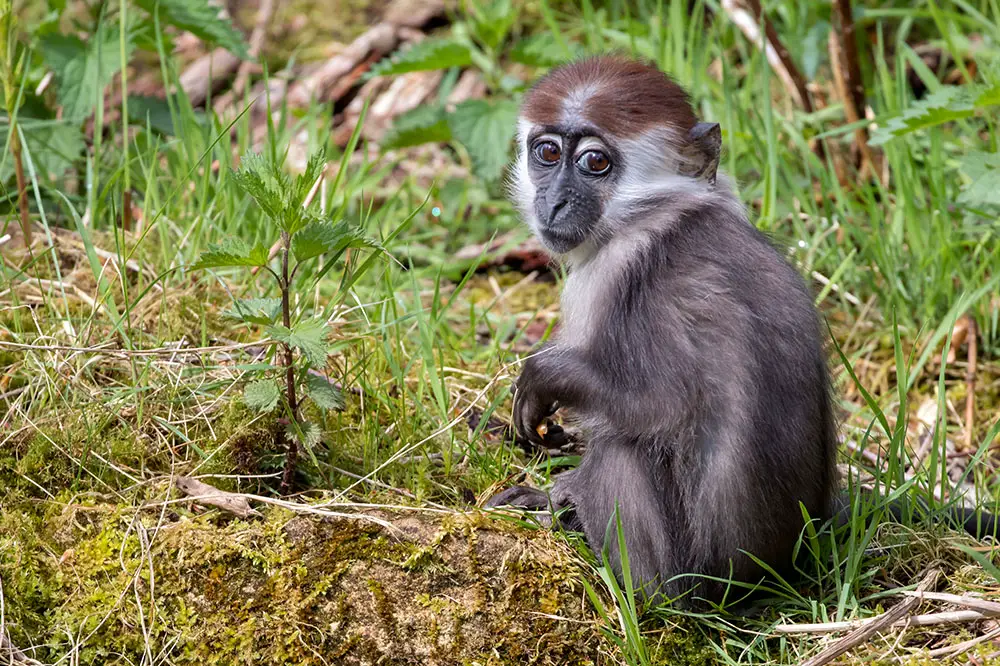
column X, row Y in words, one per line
column 22, row 186
column 291, row 455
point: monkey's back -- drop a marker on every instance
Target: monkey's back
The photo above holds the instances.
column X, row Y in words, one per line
column 712, row 342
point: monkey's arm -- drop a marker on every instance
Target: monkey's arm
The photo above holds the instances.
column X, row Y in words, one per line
column 554, row 377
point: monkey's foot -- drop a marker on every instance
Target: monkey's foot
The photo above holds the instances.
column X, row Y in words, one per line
column 521, row 497
column 532, row 499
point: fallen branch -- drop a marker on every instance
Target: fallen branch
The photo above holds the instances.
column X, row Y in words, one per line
column 749, row 26
column 264, row 14
column 847, row 80
column 862, row 634
column 203, row 493
column 300, row 508
column 380, row 39
column 796, row 77
column 212, row 68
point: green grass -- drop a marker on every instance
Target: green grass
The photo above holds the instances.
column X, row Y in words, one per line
column 421, row 343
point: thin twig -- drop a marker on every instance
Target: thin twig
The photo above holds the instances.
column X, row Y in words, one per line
column 927, row 620
column 884, row 621
column 970, row 382
column 964, row 646
column 103, row 348
column 795, row 76
column 974, row 603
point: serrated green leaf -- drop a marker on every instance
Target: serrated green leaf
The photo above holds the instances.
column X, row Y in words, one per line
column 984, row 171
column 308, row 336
column 988, row 97
column 202, row 19
column 308, row 434
column 263, row 311
column 83, row 69
column 424, row 124
column 264, row 182
column 492, row 21
column 324, row 393
column 946, row 104
column 232, row 252
column 305, row 181
column 326, row 238
column 262, row 395
column 425, row 55
column 540, row 50
column 486, row 130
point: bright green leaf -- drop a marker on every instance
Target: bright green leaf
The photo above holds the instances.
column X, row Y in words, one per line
column 308, row 336
column 266, row 183
column 326, row 238
column 428, row 54
column 305, row 181
column 84, row 69
column 202, row 19
column 317, row 238
column 263, row 311
column 53, row 146
column 492, row 21
column 947, row 104
column 989, row 97
column 261, row 395
column 324, row 393
column 486, row 130
column 232, row 252
column 308, row 434
column 539, row 50
column 984, row 171
column 424, row 124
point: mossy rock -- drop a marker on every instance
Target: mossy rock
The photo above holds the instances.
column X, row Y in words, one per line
column 298, row 589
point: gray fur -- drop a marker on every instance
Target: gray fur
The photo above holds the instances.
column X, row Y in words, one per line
column 691, row 354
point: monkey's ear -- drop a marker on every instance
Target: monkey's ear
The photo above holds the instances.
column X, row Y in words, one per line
column 701, row 153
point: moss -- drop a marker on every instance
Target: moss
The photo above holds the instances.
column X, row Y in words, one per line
column 682, row 643
column 288, row 589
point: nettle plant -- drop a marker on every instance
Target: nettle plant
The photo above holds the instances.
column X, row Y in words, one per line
column 302, row 343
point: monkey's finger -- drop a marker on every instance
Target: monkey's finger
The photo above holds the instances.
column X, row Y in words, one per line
column 556, row 437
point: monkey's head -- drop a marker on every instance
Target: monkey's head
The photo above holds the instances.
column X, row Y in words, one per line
column 600, row 138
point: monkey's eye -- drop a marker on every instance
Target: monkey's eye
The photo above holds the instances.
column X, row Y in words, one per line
column 547, row 152
column 594, row 162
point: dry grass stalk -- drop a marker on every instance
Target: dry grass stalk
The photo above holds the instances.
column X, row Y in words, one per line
column 863, row 633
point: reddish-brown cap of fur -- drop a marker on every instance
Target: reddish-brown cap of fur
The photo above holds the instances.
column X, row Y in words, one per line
column 628, row 97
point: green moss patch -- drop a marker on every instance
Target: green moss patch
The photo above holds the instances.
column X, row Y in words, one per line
column 292, row 589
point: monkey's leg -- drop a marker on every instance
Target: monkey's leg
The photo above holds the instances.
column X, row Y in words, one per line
column 617, row 475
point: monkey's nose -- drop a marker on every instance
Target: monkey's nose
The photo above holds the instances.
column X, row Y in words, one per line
column 555, row 209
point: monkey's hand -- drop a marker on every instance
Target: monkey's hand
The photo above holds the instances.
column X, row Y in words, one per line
column 533, row 403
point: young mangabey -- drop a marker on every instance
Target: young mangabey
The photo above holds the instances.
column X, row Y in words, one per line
column 690, row 350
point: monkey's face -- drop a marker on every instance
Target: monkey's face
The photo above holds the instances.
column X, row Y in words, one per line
column 572, row 173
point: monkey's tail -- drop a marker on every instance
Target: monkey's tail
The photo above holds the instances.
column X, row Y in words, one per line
column 977, row 522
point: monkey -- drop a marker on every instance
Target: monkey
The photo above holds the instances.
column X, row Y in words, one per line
column 690, row 350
